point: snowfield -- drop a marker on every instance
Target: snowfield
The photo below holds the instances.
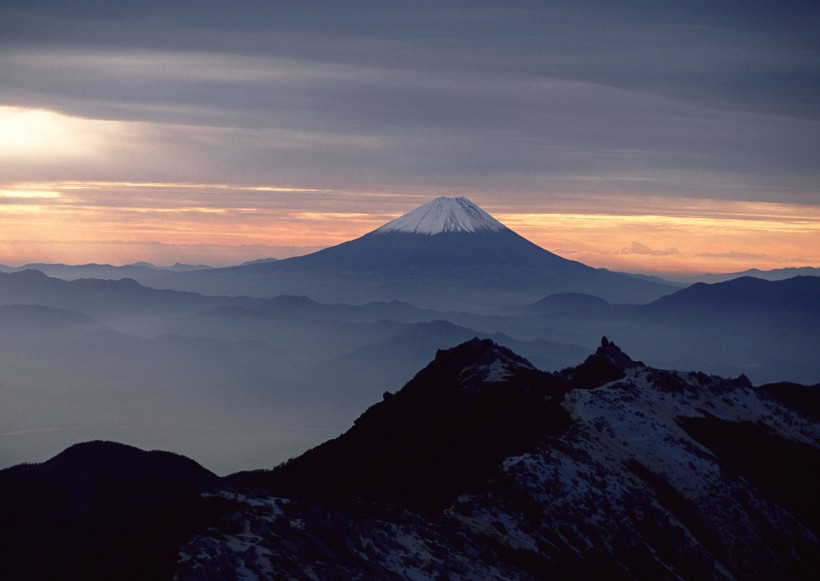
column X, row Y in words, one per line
column 443, row 215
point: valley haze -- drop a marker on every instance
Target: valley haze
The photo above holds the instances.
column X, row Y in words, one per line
column 247, row 366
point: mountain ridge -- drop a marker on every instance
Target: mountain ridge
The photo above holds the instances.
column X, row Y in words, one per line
column 624, row 475
column 484, row 466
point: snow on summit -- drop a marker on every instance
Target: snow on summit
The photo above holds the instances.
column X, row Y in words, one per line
column 443, row 215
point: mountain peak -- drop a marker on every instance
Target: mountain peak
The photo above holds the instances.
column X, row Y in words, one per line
column 451, row 425
column 443, row 215
column 608, row 363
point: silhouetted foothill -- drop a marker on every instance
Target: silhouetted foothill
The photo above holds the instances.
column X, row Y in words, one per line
column 805, row 399
column 54, row 511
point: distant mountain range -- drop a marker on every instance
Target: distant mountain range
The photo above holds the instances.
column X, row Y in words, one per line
column 774, row 274
column 481, row 467
column 766, row 329
column 800, row 295
column 447, row 254
column 143, row 271
column 202, row 375
column 747, row 325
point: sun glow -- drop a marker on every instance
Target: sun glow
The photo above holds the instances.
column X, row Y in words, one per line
column 23, row 194
column 42, row 134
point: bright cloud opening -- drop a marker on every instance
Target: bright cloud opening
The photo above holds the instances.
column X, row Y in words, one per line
column 40, row 134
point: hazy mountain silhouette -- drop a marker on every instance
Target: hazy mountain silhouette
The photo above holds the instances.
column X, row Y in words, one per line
column 773, row 274
column 98, row 297
column 765, row 329
column 204, row 374
column 561, row 303
column 149, row 357
column 65, row 377
column 143, row 271
column 799, row 295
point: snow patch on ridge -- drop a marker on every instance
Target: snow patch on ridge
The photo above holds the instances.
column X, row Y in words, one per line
column 443, row 215
column 500, row 369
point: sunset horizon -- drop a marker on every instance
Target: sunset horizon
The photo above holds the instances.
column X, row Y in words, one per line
column 225, row 224
column 652, row 138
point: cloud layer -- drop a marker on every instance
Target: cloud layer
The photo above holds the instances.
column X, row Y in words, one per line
column 524, row 105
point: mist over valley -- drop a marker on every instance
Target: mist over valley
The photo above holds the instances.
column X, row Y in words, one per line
column 242, row 382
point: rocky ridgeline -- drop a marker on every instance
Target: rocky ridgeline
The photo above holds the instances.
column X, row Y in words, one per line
column 484, row 468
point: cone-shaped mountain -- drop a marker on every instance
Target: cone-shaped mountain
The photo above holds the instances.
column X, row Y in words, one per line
column 447, row 253
column 445, row 233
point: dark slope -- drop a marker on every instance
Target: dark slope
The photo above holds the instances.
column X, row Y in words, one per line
column 800, row 295
column 610, row 469
column 480, row 466
column 443, row 434
column 447, row 430
column 51, row 513
column 786, row 470
column 802, row 398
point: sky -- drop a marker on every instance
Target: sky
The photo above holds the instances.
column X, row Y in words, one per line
column 646, row 136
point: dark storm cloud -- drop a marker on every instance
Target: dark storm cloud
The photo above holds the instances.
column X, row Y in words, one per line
column 675, row 98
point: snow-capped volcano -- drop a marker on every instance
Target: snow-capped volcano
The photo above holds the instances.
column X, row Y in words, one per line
column 448, row 253
column 444, row 215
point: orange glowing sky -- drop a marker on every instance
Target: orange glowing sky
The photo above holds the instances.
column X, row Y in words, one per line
column 681, row 139
column 220, row 224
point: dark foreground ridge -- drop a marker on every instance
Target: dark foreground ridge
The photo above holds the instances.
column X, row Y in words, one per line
column 53, row 513
column 442, row 435
column 447, row 430
column 480, row 467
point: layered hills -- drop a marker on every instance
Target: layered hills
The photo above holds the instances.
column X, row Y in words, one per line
column 204, row 375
